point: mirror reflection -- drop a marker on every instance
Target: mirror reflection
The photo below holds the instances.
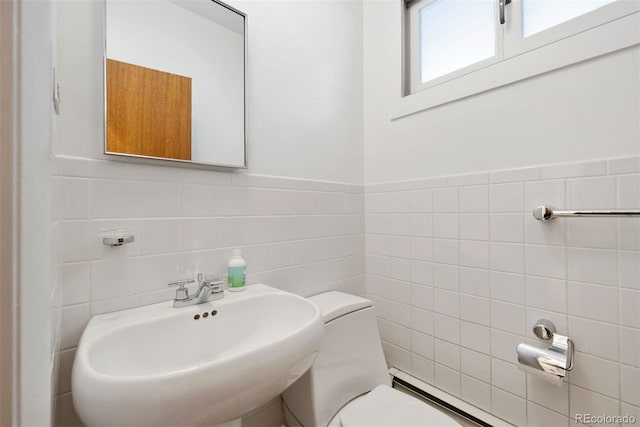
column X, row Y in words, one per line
column 175, row 81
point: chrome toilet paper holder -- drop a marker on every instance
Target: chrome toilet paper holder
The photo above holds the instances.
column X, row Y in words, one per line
column 556, row 360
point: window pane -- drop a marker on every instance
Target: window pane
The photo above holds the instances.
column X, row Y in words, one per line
column 455, row 34
column 538, row 15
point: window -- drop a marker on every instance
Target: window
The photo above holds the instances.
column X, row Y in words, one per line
column 455, row 48
column 470, row 30
column 539, row 15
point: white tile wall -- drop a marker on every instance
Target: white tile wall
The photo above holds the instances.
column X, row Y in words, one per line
column 302, row 236
column 484, row 270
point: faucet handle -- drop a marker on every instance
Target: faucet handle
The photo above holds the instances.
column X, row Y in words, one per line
column 181, row 293
column 215, row 283
column 215, row 279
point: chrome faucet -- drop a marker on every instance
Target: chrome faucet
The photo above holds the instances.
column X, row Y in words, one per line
column 210, row 288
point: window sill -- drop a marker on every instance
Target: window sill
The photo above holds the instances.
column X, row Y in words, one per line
column 613, row 36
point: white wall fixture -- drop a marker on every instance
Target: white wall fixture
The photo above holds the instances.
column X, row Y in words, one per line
column 197, row 365
column 551, row 364
column 546, row 213
column 115, row 238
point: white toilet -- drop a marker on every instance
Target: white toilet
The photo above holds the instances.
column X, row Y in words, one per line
column 348, row 385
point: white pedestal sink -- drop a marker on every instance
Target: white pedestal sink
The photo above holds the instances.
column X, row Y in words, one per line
column 159, row 366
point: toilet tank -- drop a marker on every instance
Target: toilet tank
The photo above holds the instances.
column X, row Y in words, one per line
column 350, row 361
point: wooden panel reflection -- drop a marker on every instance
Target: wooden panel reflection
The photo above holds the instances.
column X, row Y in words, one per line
column 148, row 112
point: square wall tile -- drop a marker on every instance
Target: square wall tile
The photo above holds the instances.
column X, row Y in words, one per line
column 474, row 226
column 446, row 302
column 630, row 308
column 596, row 338
column 474, row 254
column 421, row 201
column 446, row 251
column 422, row 344
column 113, row 199
column 75, row 198
column 422, row 368
column 593, row 302
column 508, row 407
column 399, row 201
column 586, row 402
column 447, row 379
column 592, row 266
column 591, row 193
column 75, row 283
column 477, row 365
column 548, row 395
column 547, row 261
column 594, row 373
column 474, row 199
column 506, row 197
column 422, row 272
column 508, row 317
column 475, row 309
column 422, row 248
column 446, row 277
column 422, row 297
column 159, row 199
column 544, row 232
column 629, row 269
column 537, row 416
column 507, row 257
column 476, row 392
column 630, row 346
column 549, row 193
column 593, row 233
column 548, row 294
column 507, row 228
column 508, row 377
column 422, row 321
column 445, row 200
column 445, row 226
column 447, row 354
column 475, row 337
column 446, row 328
column 504, row 344
column 197, row 200
column 508, row 287
column 114, row 278
column 630, row 385
column 475, row 282
column 422, row 225
column 159, row 236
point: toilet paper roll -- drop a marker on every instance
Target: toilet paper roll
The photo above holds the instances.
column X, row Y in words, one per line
column 545, row 376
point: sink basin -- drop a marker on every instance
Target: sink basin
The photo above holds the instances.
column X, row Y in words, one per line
column 157, row 365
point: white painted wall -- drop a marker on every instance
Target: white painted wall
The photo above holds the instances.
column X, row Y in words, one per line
column 586, row 111
column 34, row 245
column 305, row 121
column 211, row 55
column 305, row 86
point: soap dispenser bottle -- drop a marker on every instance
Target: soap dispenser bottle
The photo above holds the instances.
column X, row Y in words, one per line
column 236, row 272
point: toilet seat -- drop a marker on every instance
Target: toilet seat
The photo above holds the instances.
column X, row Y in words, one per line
column 384, row 406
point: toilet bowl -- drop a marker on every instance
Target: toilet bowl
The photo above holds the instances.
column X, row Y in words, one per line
column 348, row 385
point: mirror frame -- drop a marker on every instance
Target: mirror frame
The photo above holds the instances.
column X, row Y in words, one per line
column 163, row 160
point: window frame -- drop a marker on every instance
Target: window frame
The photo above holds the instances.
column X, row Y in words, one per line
column 413, row 55
column 515, row 44
column 599, row 32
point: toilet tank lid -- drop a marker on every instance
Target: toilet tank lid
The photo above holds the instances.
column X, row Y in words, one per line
column 335, row 304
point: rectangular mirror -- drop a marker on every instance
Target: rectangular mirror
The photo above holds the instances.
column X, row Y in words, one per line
column 175, row 73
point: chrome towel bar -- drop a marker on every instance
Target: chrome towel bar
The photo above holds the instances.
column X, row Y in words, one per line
column 546, row 213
